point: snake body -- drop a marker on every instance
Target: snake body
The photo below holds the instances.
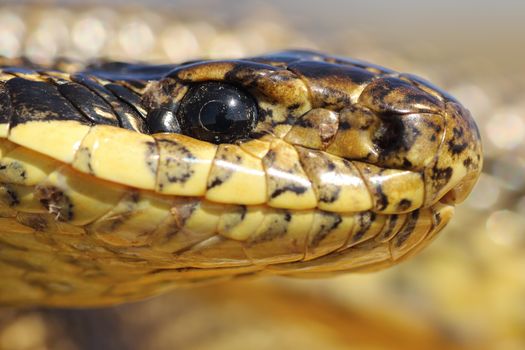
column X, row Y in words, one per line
column 349, row 166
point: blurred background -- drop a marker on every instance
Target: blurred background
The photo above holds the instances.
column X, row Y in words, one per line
column 466, row 291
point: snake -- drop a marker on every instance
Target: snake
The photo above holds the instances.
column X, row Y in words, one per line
column 120, row 181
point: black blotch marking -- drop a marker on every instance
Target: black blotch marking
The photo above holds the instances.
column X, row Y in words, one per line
column 277, row 228
column 454, row 146
column 265, row 114
column 334, row 99
column 16, row 168
column 185, row 212
column 431, row 124
column 389, row 136
column 344, row 125
column 151, row 151
column 237, row 215
column 390, row 226
column 364, row 221
column 243, row 212
column 304, row 123
column 324, row 229
column 12, row 197
column 382, row 198
column 224, row 173
column 407, row 229
column 177, row 170
column 404, row 204
column 329, row 194
column 441, row 177
column 406, row 163
column 366, row 125
column 467, row 163
column 297, row 189
column 215, row 182
column 293, row 107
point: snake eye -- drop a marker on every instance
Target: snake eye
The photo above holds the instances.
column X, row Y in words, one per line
column 217, row 112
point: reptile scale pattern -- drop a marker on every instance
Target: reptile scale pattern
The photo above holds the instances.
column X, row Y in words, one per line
column 350, row 167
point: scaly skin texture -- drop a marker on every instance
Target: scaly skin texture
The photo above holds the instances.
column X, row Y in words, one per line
column 350, row 167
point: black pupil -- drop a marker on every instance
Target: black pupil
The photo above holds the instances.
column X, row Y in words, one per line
column 217, row 112
column 216, row 116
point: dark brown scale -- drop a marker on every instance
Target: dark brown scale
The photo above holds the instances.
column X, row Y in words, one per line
column 127, row 116
column 407, row 229
column 34, row 100
column 128, row 97
column 90, row 104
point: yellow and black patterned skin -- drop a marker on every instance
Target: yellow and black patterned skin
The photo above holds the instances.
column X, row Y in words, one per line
column 105, row 197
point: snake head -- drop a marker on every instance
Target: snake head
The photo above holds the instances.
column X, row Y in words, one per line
column 390, row 125
column 291, row 163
